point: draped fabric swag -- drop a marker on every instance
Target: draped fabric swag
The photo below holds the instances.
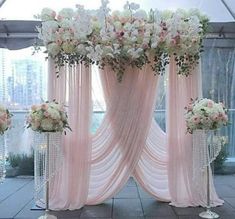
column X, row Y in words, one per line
column 128, row 143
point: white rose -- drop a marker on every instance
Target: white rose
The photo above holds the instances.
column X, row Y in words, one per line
column 53, row 49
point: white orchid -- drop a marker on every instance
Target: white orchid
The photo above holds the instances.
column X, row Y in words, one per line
column 94, row 53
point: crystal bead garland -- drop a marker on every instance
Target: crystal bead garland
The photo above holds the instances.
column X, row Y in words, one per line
column 40, row 155
column 2, row 158
column 206, row 147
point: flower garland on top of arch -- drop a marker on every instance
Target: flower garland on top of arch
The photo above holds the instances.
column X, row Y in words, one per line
column 130, row 37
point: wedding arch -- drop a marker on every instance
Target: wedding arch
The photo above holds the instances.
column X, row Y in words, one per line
column 133, row 49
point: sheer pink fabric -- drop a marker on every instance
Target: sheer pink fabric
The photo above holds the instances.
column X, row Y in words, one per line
column 151, row 171
column 119, row 142
column 128, row 142
column 182, row 189
column 69, row 189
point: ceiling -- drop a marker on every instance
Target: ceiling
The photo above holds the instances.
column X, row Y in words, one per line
column 18, row 29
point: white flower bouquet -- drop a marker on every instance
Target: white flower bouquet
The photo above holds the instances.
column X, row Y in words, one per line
column 205, row 114
column 131, row 37
column 48, row 117
column 5, row 119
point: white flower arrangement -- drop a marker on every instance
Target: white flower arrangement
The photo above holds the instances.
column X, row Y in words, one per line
column 205, row 114
column 48, row 117
column 5, row 119
column 122, row 38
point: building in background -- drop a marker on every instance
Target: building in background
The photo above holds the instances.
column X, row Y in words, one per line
column 26, row 85
column 3, row 76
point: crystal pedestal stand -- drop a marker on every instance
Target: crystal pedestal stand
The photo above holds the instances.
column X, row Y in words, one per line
column 47, row 214
column 2, row 159
column 208, row 213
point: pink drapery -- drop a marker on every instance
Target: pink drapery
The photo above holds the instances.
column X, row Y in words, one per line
column 69, row 188
column 182, row 189
column 128, row 142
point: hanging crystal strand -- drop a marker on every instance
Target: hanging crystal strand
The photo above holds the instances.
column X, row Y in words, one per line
column 206, row 147
column 55, row 160
column 2, row 158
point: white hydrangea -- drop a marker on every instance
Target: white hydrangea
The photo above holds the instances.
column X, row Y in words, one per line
column 53, row 49
column 47, row 124
column 53, row 113
column 47, row 14
column 66, row 13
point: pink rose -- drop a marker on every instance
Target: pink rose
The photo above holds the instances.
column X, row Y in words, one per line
column 215, row 118
column 196, row 120
column 37, row 124
column 44, row 106
column 3, row 116
column 46, row 114
column 210, row 104
column 194, row 40
column 61, row 30
column 225, row 118
column 53, row 14
column 71, row 30
column 33, row 107
column 145, row 46
column 59, row 42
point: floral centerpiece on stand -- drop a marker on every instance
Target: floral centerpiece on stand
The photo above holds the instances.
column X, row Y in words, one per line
column 48, row 117
column 5, row 123
column 5, row 119
column 131, row 37
column 48, row 120
column 203, row 118
column 205, row 114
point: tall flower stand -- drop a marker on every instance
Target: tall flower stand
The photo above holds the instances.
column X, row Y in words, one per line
column 48, row 158
column 206, row 148
column 2, row 159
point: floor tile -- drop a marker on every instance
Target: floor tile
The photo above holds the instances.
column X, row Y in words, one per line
column 165, row 217
column 230, row 201
column 128, row 192
column 144, row 194
column 16, row 202
column 102, row 210
column 188, row 211
column 155, row 208
column 11, row 185
column 225, row 191
column 127, row 208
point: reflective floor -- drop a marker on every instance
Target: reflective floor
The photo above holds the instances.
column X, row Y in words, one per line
column 16, row 201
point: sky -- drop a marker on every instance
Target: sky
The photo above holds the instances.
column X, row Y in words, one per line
column 25, row 9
